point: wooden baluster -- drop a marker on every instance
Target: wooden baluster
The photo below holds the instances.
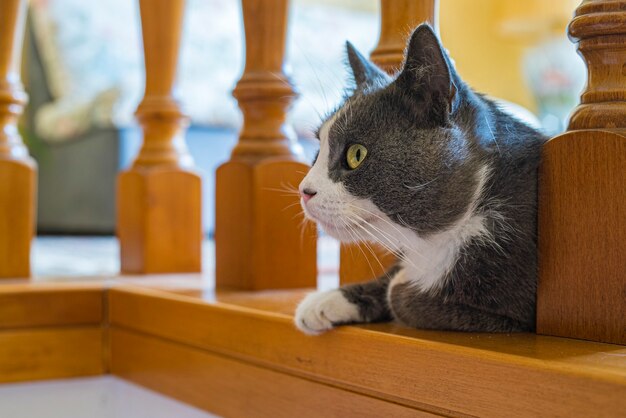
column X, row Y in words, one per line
column 17, row 169
column 259, row 239
column 398, row 18
column 582, row 200
column 159, row 197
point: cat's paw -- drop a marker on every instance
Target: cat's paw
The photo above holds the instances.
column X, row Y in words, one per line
column 320, row 311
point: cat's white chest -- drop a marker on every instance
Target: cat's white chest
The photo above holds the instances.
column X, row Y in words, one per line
column 427, row 261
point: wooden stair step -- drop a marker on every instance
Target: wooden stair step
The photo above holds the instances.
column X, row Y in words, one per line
column 180, row 337
column 438, row 372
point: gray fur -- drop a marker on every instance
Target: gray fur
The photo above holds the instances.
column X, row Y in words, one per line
column 427, row 135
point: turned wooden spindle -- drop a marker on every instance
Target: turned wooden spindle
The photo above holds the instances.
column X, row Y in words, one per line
column 398, row 18
column 582, row 194
column 159, row 197
column 17, row 169
column 259, row 237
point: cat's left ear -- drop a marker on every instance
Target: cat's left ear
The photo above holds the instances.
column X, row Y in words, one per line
column 366, row 74
column 428, row 74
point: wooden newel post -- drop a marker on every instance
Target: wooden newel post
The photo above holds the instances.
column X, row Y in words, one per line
column 260, row 240
column 582, row 192
column 397, row 19
column 17, row 169
column 159, row 197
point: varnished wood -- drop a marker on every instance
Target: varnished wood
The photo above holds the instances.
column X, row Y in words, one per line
column 397, row 19
column 260, row 239
column 582, row 204
column 234, row 388
column 51, row 353
column 439, row 372
column 17, row 169
column 582, row 237
column 599, row 28
column 264, row 92
column 520, row 374
column 361, row 262
column 159, row 198
column 26, row 306
column 160, row 221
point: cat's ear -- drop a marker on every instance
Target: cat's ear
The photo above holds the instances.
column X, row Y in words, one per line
column 428, row 74
column 365, row 73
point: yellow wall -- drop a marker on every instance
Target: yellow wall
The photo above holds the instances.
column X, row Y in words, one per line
column 487, row 39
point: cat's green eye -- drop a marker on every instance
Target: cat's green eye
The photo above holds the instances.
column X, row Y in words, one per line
column 355, row 155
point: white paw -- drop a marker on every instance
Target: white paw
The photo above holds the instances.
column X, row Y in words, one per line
column 320, row 310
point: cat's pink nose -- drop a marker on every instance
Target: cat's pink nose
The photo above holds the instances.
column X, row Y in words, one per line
column 307, row 194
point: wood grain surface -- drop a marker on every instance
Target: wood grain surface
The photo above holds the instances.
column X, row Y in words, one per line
column 183, row 346
column 439, row 372
column 17, row 169
column 159, row 222
column 261, row 238
column 582, row 199
column 233, row 388
column 363, row 262
column 26, row 306
column 159, row 204
column 582, row 237
column 397, row 19
column 599, row 29
column 53, row 353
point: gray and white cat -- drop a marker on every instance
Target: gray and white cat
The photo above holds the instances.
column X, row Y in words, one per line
column 442, row 177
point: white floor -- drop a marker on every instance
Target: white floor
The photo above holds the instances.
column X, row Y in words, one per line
column 66, row 257
column 97, row 397
column 99, row 256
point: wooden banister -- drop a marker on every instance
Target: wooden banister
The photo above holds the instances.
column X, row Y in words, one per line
column 17, row 168
column 359, row 262
column 159, row 196
column 260, row 238
column 582, row 195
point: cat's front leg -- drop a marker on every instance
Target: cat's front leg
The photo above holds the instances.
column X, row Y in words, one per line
column 431, row 310
column 363, row 302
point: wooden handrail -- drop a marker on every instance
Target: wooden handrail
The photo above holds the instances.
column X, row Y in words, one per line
column 582, row 200
column 17, row 169
column 159, row 198
column 260, row 238
column 359, row 262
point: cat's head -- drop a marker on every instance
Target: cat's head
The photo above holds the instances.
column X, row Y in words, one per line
column 392, row 156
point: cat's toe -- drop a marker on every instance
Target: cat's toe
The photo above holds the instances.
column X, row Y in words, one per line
column 320, row 311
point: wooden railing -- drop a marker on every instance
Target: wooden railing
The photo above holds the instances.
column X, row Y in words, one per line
column 359, row 263
column 259, row 244
column 17, row 169
column 582, row 192
column 159, row 214
column 258, row 240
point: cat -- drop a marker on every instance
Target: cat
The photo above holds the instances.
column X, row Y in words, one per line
column 442, row 177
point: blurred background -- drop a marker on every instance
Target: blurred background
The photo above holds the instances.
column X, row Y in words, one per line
column 83, row 71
